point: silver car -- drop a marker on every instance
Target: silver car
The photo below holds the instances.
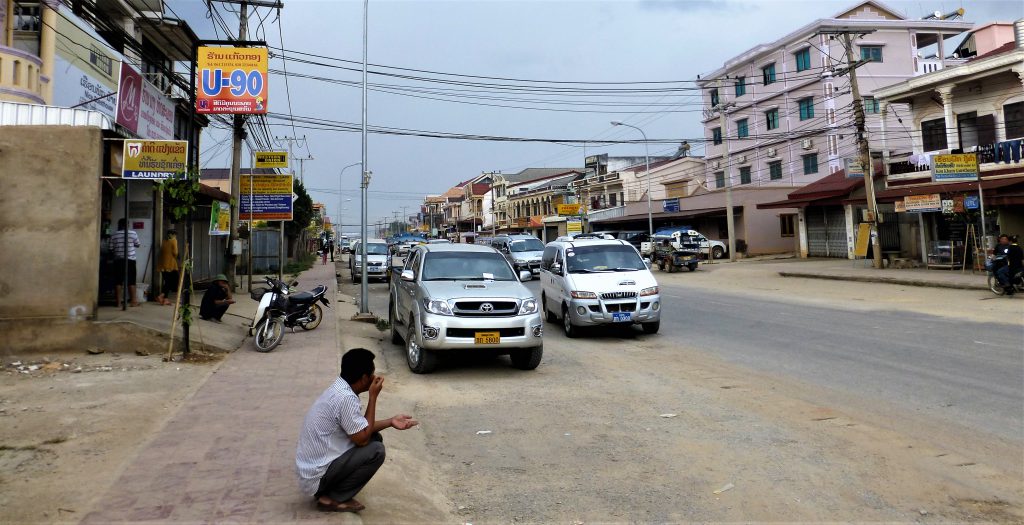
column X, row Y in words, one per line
column 452, row 296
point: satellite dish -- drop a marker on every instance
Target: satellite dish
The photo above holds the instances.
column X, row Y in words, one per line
column 938, row 14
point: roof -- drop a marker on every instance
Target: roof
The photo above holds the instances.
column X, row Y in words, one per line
column 1005, row 48
column 536, row 173
column 225, row 173
column 480, row 189
column 833, row 186
column 458, row 247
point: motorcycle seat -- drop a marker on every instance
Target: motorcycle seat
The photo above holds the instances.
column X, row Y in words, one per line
column 302, row 298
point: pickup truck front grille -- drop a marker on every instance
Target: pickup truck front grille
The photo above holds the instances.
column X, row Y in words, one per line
column 471, row 332
column 480, row 308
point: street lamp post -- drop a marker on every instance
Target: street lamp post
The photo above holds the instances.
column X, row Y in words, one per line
column 647, row 173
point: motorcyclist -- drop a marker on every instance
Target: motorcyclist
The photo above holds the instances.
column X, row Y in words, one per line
column 1013, row 262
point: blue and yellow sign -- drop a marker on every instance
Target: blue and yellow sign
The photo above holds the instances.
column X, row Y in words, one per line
column 265, row 198
column 960, row 167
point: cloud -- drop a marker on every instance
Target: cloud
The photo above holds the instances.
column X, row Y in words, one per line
column 698, row 5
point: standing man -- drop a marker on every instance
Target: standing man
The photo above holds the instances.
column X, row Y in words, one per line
column 340, row 449
column 124, row 260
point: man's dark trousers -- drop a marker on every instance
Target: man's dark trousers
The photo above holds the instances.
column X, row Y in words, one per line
column 348, row 474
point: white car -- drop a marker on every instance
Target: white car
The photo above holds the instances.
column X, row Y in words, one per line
column 718, row 249
column 377, row 256
column 597, row 281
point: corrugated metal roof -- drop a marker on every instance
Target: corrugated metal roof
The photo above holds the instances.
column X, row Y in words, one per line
column 18, row 114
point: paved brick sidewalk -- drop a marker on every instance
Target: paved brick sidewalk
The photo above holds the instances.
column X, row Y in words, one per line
column 228, row 454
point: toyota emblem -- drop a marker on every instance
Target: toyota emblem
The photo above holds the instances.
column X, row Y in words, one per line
column 486, row 307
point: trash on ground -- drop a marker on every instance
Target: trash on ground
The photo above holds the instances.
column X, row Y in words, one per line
column 482, row 432
column 724, row 488
column 94, row 350
column 667, row 415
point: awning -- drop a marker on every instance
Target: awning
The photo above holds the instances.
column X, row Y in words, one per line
column 828, row 190
column 897, row 193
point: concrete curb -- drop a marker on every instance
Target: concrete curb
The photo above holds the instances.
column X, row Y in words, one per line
column 885, row 280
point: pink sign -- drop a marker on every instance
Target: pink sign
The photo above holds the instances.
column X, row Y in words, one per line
column 142, row 108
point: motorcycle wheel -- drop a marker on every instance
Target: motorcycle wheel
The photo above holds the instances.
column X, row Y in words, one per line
column 993, row 284
column 316, row 314
column 269, row 334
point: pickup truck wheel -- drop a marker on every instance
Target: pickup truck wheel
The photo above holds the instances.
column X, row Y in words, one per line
column 527, row 358
column 549, row 316
column 420, row 360
column 571, row 330
column 651, row 328
column 395, row 337
column 717, row 252
column 354, row 280
column 693, row 267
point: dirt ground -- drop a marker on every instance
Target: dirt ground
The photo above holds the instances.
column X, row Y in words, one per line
column 69, row 421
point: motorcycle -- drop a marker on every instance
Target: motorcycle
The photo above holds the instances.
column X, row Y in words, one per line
column 280, row 308
column 1016, row 281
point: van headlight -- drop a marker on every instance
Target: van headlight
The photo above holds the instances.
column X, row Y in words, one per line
column 435, row 306
column 583, row 295
column 529, row 306
column 653, row 290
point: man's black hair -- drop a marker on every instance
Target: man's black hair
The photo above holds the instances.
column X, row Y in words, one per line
column 121, row 223
column 1004, row 235
column 356, row 363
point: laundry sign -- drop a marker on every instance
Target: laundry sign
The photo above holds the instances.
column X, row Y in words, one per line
column 920, row 203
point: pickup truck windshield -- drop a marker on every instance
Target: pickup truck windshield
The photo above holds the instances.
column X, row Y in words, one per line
column 528, row 245
column 603, row 258
column 465, row 266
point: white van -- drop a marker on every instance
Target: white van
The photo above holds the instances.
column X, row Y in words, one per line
column 596, row 281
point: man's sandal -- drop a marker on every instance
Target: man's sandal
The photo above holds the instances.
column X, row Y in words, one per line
column 335, row 506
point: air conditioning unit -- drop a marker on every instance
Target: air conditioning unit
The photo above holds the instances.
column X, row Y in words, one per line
column 771, row 152
column 716, row 165
column 806, row 143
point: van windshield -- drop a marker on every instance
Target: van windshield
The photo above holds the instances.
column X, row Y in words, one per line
column 466, row 266
column 373, row 248
column 528, row 245
column 603, row 258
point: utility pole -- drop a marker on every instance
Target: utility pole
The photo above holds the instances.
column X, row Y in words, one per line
column 302, row 166
column 238, row 135
column 864, row 152
column 730, row 222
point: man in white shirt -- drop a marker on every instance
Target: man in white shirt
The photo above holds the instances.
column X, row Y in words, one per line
column 339, row 450
column 123, row 248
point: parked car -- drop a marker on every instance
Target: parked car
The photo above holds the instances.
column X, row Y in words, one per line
column 717, row 249
column 594, row 282
column 463, row 296
column 377, row 259
column 522, row 251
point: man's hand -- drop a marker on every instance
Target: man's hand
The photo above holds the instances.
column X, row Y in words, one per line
column 403, row 422
column 376, row 386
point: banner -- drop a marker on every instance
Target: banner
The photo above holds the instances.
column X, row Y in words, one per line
column 568, row 209
column 961, row 167
column 142, row 108
column 271, row 159
column 154, row 159
column 231, row 80
column 919, row 203
column 220, row 218
column 265, row 198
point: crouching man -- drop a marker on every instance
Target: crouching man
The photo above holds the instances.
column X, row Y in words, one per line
column 340, row 448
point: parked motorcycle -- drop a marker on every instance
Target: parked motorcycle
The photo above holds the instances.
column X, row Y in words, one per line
column 1017, row 281
column 279, row 308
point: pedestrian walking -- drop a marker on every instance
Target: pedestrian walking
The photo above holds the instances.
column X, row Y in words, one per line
column 339, row 448
column 168, row 267
column 123, row 247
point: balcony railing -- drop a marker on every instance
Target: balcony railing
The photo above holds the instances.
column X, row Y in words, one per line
column 607, row 213
column 990, row 156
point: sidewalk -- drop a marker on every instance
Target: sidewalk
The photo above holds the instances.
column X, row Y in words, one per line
column 228, row 454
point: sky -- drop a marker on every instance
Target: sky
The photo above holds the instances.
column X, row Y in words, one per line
column 554, row 41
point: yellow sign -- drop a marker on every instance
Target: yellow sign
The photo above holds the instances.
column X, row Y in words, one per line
column 231, row 80
column 220, row 218
column 154, row 159
column 955, row 168
column 573, row 226
column 863, row 236
column 568, row 209
column 919, row 203
column 271, row 159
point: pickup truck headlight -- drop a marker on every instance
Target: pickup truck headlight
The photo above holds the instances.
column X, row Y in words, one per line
column 435, row 306
column 529, row 306
column 653, row 290
column 583, row 295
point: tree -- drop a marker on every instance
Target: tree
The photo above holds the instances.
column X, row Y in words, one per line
column 302, row 216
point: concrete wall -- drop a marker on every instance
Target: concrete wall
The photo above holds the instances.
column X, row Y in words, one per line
column 759, row 228
column 50, row 212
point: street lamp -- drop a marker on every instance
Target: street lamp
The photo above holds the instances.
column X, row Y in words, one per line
column 647, row 170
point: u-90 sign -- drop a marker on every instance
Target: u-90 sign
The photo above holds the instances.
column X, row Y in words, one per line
column 231, row 80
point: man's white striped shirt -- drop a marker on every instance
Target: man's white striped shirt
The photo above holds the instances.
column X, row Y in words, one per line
column 335, row 416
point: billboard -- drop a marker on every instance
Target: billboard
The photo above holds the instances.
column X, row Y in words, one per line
column 568, row 209
column 231, row 80
column 919, row 203
column 962, row 167
column 265, row 198
column 154, row 159
column 86, row 68
column 271, row 159
column 142, row 108
column 220, row 218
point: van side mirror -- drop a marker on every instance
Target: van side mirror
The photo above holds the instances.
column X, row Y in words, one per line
column 556, row 268
column 408, row 276
column 647, row 262
column 525, row 276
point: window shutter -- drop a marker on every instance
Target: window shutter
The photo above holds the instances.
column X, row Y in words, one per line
column 986, row 129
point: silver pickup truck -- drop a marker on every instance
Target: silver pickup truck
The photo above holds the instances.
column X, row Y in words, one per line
column 452, row 296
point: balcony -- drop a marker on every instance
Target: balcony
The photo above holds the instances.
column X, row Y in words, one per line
column 989, row 159
column 931, row 65
column 607, row 213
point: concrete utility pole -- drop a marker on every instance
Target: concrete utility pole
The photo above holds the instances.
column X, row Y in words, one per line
column 730, row 222
column 238, row 135
column 364, row 287
column 864, row 152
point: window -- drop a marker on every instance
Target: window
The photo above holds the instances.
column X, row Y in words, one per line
column 810, row 163
column 833, row 145
column 720, row 179
column 806, row 108
column 803, row 59
column 871, row 106
column 16, row 79
column 768, row 74
column 871, row 53
column 742, row 129
column 830, row 115
column 745, row 175
column 775, row 170
column 714, row 97
column 1013, row 116
column 933, row 134
column 741, row 86
column 716, row 136
column 611, row 199
column 771, row 118
column 787, row 225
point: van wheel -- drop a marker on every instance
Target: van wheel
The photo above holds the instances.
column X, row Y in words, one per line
column 527, row 358
column 571, row 331
column 549, row 316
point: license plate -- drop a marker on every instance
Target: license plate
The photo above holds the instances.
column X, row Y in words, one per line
column 487, row 338
column 622, row 317
column 535, row 270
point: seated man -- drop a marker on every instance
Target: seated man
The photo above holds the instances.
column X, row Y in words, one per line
column 340, row 449
column 216, row 300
